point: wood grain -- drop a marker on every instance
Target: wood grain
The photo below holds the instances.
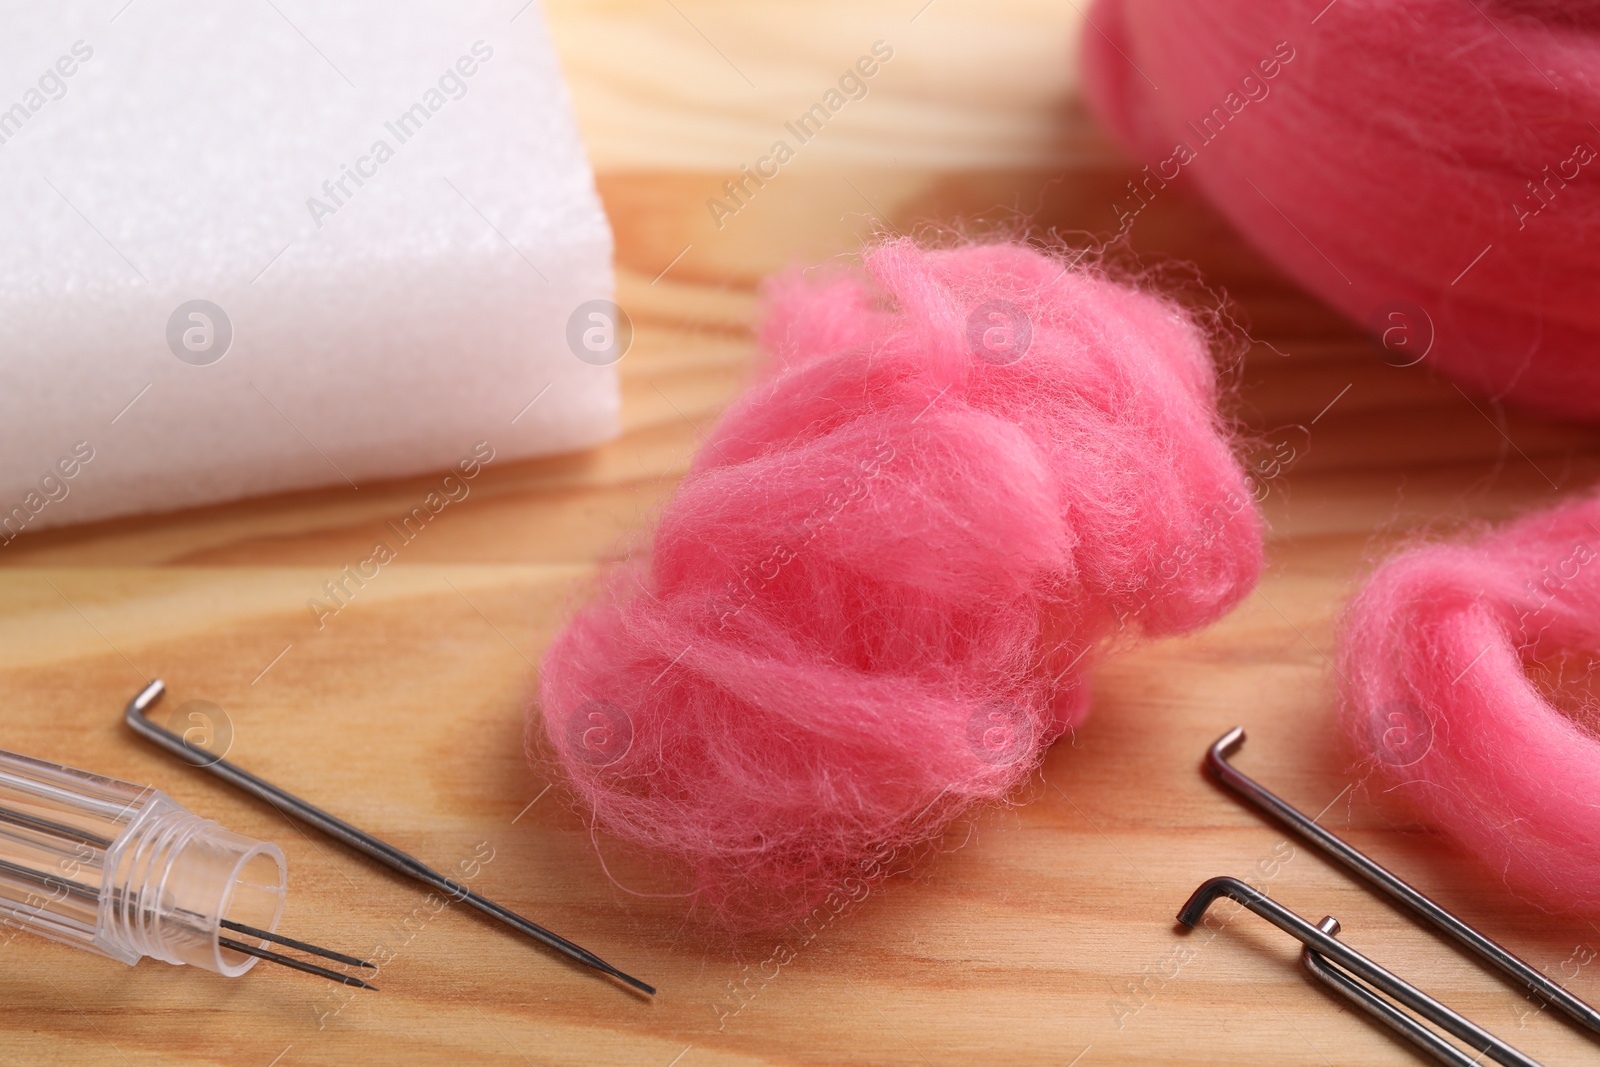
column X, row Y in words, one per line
column 1044, row 934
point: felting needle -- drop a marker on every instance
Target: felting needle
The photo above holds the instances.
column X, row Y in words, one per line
column 1520, row 971
column 373, row 847
column 1370, row 1002
column 315, row 950
column 298, row 965
column 1321, row 940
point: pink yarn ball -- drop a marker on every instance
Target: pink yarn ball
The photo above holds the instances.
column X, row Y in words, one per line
column 874, row 598
column 1428, row 167
column 1437, row 695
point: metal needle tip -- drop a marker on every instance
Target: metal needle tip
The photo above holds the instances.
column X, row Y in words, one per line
column 643, row 987
column 369, row 845
column 315, row 950
column 298, row 965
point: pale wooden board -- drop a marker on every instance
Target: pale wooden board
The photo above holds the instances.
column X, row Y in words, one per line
column 1047, row 936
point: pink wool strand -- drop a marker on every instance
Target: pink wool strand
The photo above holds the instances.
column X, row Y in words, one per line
column 1437, row 693
column 1429, row 167
column 874, row 599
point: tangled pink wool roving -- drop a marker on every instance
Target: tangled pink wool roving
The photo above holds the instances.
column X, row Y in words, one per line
column 874, row 598
column 1437, row 691
column 1428, row 167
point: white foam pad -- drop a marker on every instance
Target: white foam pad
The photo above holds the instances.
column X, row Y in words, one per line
column 177, row 151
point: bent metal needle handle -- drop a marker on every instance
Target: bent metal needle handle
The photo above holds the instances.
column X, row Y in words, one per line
column 1325, row 944
column 1401, row 892
column 358, row 839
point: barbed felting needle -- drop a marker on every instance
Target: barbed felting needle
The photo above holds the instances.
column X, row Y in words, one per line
column 372, row 847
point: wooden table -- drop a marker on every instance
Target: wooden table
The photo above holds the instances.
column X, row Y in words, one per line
column 1048, row 937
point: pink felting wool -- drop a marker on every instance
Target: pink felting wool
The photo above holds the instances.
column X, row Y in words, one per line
column 1437, row 693
column 875, row 597
column 1428, row 167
